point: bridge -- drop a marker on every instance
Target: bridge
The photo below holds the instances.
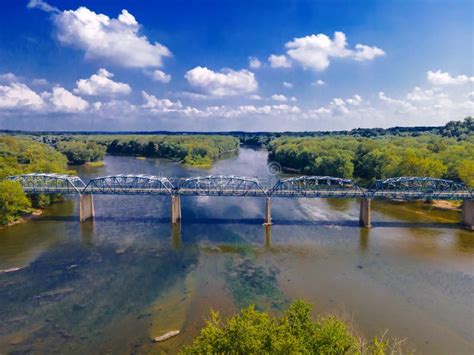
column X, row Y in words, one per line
column 398, row 188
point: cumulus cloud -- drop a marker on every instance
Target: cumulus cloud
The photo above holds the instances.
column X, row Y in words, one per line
column 63, row 100
column 281, row 98
column 115, row 40
column 225, row 83
column 287, row 85
column 161, row 105
column 101, row 84
column 160, row 76
column 444, row 78
column 19, row 96
column 254, row 63
column 315, row 51
column 279, row 61
column 8, row 77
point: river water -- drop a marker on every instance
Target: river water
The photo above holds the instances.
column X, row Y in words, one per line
column 112, row 285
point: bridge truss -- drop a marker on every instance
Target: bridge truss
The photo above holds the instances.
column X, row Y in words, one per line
column 316, row 186
column 35, row 183
column 416, row 188
column 404, row 188
column 130, row 185
column 221, row 185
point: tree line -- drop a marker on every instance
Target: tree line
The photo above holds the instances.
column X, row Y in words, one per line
column 22, row 156
column 368, row 159
column 193, row 150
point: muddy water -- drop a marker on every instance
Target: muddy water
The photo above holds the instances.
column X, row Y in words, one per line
column 112, row 285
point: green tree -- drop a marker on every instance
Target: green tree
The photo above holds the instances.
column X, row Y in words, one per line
column 254, row 332
column 13, row 201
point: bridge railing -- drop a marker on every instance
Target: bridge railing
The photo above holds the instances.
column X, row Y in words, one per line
column 36, row 183
column 416, row 188
column 405, row 188
column 130, row 185
column 316, row 186
column 221, row 185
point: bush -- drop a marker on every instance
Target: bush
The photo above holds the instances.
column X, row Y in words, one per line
column 254, row 332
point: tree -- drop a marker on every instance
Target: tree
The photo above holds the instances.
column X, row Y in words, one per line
column 255, row 332
column 13, row 201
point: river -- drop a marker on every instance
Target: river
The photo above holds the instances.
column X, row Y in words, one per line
column 112, row 285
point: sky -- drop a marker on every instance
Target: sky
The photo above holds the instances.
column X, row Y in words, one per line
column 227, row 65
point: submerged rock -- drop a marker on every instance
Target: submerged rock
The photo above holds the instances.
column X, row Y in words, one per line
column 166, row 336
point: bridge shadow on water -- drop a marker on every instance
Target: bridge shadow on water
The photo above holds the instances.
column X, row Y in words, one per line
column 253, row 221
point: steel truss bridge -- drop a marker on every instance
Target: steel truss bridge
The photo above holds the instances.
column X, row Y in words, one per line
column 401, row 188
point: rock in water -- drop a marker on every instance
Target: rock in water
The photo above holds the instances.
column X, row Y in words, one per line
column 166, row 336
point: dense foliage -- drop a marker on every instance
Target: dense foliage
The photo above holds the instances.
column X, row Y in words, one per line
column 195, row 150
column 296, row 332
column 367, row 159
column 19, row 156
column 82, row 152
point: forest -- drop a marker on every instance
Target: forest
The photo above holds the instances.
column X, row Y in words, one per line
column 22, row 156
column 368, row 159
column 192, row 150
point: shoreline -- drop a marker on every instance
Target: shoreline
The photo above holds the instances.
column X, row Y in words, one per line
column 36, row 212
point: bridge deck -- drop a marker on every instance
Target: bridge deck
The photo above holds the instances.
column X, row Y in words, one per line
column 402, row 188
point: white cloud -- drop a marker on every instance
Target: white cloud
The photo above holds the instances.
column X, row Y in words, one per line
column 63, row 100
column 315, row 51
column 279, row 61
column 38, row 4
column 400, row 105
column 319, row 82
column 160, row 76
column 355, row 100
column 160, row 105
column 281, row 98
column 19, row 96
column 254, row 63
column 364, row 52
column 101, row 84
column 287, row 85
column 225, row 83
column 444, row 78
column 115, row 40
column 8, row 77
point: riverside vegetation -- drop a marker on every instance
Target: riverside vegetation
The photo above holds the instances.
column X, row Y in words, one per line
column 21, row 156
column 193, row 150
column 296, row 332
column 367, row 159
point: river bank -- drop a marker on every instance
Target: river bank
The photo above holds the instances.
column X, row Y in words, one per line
column 34, row 213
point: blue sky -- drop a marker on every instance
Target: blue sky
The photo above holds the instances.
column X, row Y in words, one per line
column 234, row 65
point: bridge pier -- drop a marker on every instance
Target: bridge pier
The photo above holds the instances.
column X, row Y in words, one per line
column 364, row 215
column 175, row 209
column 86, row 207
column 268, row 212
column 467, row 215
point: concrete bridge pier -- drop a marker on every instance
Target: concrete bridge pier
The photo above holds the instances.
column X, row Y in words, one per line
column 364, row 215
column 467, row 215
column 86, row 207
column 175, row 209
column 268, row 212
